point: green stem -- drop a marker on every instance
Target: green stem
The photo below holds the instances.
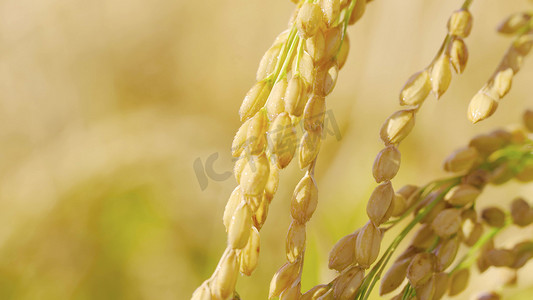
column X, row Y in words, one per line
column 283, row 54
column 283, row 70
column 347, row 16
column 466, row 4
column 421, row 194
column 467, row 260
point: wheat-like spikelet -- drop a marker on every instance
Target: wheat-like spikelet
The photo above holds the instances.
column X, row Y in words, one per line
column 293, row 79
column 384, row 202
column 434, row 247
column 448, row 217
column 437, row 75
column 487, row 99
column 322, row 51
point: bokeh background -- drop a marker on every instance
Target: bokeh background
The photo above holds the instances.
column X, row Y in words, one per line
column 105, row 106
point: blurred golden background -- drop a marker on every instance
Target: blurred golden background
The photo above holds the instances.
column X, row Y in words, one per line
column 106, row 105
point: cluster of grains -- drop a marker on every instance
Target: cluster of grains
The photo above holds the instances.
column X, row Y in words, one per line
column 356, row 252
column 322, row 51
column 293, row 79
column 445, row 212
column 437, row 75
column 453, row 219
column 486, row 101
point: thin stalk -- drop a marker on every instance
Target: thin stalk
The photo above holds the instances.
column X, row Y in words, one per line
column 283, row 70
column 421, row 194
column 467, row 260
column 283, row 54
column 347, row 16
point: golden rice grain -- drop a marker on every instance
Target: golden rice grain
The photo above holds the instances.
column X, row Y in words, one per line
column 316, row 46
column 342, row 54
column 446, row 252
column 239, row 228
column 379, row 204
column 333, row 42
column 233, row 202
column 481, row 106
column 432, row 214
column 291, row 293
column 488, row 296
column 346, row 285
column 416, row 89
column 309, row 148
column 397, row 126
column 500, row 257
column 260, row 215
column 316, row 292
column 461, row 160
column 399, row 205
column 304, row 200
column 514, row 23
column 249, row 256
column 493, row 216
column 410, row 193
column 239, row 140
column 521, row 212
column 255, row 135
column 441, row 285
column 269, row 60
column 275, row 104
column 314, row 113
column 424, row 237
column 282, row 140
column 394, row 277
column 458, row 282
column 441, row 75
column 421, row 268
column 226, row 275
column 486, row 144
column 426, row 290
column 295, row 242
column 474, row 235
column 460, row 23
column 283, row 278
column 305, row 68
column 503, row 81
column 462, row 194
column 203, row 292
column 386, row 164
column 254, row 175
column 331, row 10
column 271, row 186
column 343, row 253
column 367, row 245
column 254, row 100
column 326, row 78
column 358, row 11
column 522, row 253
column 501, row 174
column 239, row 167
column 458, row 55
column 295, row 96
column 309, row 19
